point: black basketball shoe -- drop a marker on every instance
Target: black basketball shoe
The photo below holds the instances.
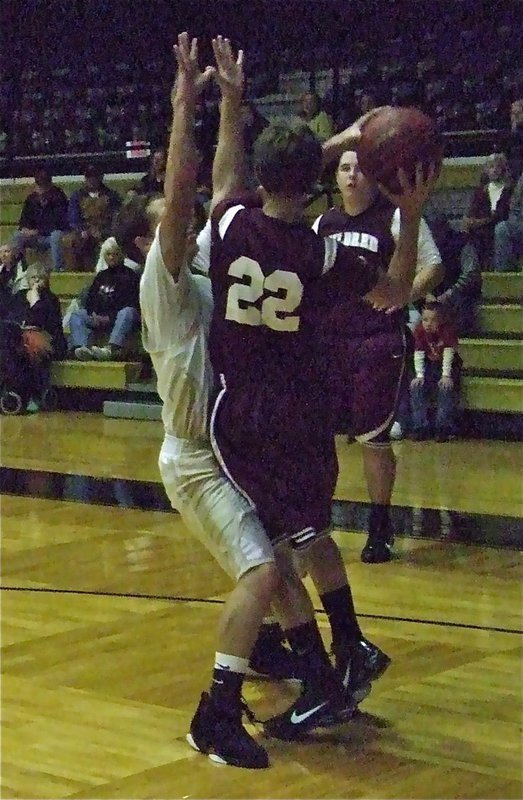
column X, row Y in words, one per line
column 271, row 659
column 219, row 733
column 358, row 665
column 315, row 708
column 378, row 549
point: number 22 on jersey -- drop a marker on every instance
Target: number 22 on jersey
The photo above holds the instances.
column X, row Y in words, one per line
column 275, row 312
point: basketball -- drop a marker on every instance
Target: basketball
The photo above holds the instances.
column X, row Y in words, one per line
column 37, row 344
column 394, row 138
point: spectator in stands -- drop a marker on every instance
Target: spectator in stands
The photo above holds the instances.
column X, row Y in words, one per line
column 437, row 365
column 508, row 234
column 318, row 120
column 13, row 276
column 151, row 184
column 43, row 219
column 111, row 308
column 489, row 205
column 460, row 289
column 110, row 255
column 90, row 213
column 38, row 308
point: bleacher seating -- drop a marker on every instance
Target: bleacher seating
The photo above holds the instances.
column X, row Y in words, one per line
column 493, row 360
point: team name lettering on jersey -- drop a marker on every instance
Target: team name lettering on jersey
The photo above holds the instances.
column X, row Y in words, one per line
column 366, row 241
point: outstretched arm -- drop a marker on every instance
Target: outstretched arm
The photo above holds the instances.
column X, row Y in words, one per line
column 182, row 158
column 228, row 165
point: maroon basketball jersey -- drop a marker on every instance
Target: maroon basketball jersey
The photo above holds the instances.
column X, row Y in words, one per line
column 270, row 424
column 342, row 313
column 263, row 272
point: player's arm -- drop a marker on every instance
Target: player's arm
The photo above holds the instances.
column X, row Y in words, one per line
column 395, row 286
column 347, row 139
column 182, row 157
column 228, row 164
column 425, row 280
column 429, row 269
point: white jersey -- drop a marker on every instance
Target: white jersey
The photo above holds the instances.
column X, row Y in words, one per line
column 428, row 253
column 175, row 327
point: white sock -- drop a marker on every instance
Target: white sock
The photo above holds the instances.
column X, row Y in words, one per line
column 232, row 663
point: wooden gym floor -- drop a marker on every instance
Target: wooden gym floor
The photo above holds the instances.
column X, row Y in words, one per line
column 109, row 609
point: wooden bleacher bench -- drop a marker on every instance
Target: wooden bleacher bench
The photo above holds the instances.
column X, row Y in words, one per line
column 95, row 374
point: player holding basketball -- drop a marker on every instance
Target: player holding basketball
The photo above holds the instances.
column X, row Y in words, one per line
column 176, row 308
column 364, row 349
column 270, row 426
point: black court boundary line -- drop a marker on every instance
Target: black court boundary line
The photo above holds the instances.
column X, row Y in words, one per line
column 210, row 601
column 443, row 525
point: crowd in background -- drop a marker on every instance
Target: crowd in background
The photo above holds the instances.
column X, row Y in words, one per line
column 53, row 107
column 105, row 85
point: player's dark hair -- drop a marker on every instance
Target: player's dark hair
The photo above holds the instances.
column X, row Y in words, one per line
column 138, row 217
column 131, row 221
column 287, row 158
column 432, row 305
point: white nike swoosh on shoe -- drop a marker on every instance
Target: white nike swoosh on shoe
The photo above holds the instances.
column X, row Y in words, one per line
column 297, row 718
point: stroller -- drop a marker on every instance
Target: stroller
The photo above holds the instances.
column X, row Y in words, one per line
column 25, row 358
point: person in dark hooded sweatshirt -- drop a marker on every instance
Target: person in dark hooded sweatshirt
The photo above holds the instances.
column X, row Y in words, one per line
column 111, row 307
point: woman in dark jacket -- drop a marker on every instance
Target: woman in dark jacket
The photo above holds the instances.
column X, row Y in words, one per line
column 37, row 315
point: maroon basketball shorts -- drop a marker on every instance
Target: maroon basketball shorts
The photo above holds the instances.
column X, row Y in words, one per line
column 364, row 378
column 278, row 450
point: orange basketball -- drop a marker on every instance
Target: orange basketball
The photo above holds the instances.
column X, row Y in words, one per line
column 37, row 344
column 398, row 137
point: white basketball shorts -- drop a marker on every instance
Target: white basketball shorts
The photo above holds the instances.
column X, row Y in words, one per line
column 210, row 506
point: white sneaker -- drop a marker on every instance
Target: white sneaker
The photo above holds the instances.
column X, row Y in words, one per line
column 396, row 432
column 102, row 353
column 83, row 353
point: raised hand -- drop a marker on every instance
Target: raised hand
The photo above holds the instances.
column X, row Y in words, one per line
column 229, row 70
column 414, row 193
column 352, row 134
column 190, row 79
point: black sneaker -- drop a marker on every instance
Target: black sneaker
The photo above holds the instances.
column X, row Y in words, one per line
column 358, row 665
column 378, row 549
column 271, row 659
column 219, row 733
column 314, row 708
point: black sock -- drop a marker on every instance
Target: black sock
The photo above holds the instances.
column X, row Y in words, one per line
column 306, row 642
column 339, row 607
column 226, row 688
column 379, row 518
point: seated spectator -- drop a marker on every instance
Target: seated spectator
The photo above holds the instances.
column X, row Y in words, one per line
column 110, row 310
column 508, row 234
column 489, row 205
column 318, row 121
column 151, row 184
column 437, row 367
column 110, row 255
column 38, row 309
column 460, row 290
column 90, row 214
column 43, row 219
column 13, row 276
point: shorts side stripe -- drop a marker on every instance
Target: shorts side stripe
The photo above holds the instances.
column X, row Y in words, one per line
column 216, row 448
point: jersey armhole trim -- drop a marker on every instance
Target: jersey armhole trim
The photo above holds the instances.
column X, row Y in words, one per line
column 227, row 218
